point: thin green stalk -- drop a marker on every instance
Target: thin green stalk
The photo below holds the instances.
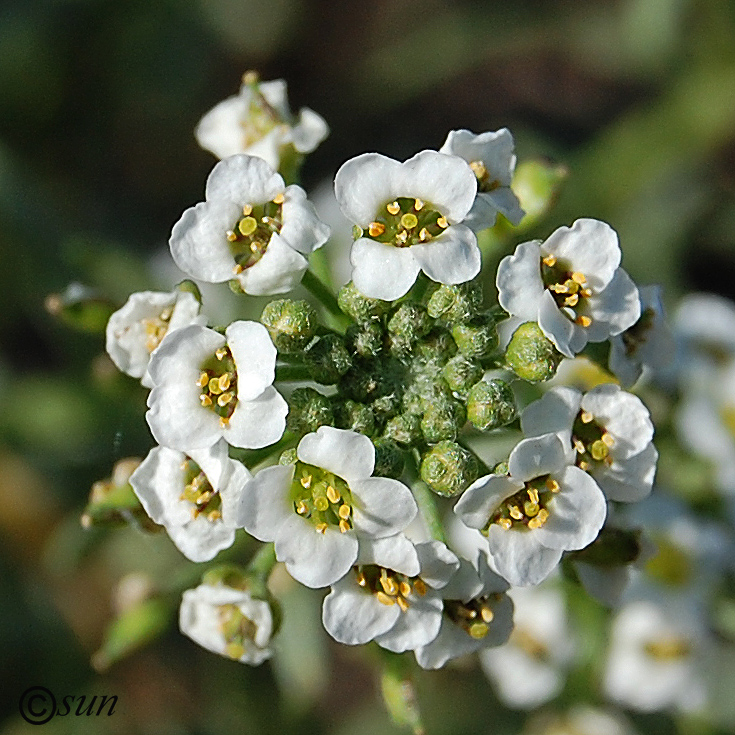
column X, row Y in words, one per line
column 251, row 458
column 321, row 292
column 263, row 561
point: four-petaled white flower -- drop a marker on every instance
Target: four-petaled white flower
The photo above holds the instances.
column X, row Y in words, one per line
column 227, row 621
column 194, row 496
column 136, row 329
column 208, row 386
column 571, row 284
column 608, row 433
column 321, row 509
column 258, row 121
column 410, row 215
column 493, row 161
column 251, row 228
column 543, row 507
column 391, row 595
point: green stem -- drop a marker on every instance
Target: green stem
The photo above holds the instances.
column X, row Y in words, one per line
column 253, row 457
column 426, row 501
column 319, row 291
column 292, row 372
column 263, row 562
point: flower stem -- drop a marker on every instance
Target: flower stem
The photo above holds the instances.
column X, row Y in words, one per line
column 253, row 457
column 399, row 693
column 321, row 292
column 262, row 563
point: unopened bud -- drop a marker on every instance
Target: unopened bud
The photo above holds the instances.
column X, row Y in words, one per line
column 531, row 354
column 308, row 410
column 461, row 373
column 448, row 469
column 354, row 416
column 404, row 429
column 188, row 286
column 491, row 404
column 366, row 338
column 389, row 459
column 456, row 303
column 438, row 345
column 80, row 307
column 291, row 324
column 443, row 420
column 537, row 185
column 477, row 337
column 358, row 307
column 327, row 359
column 410, row 322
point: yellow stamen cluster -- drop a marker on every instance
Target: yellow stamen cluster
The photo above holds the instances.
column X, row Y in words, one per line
column 322, row 497
column 527, row 507
column 529, row 644
column 474, row 617
column 591, row 442
column 668, row 649
column 406, row 222
column 484, row 182
column 218, row 384
column 156, row 328
column 199, row 491
column 568, row 288
column 390, row 587
column 237, row 629
column 251, row 234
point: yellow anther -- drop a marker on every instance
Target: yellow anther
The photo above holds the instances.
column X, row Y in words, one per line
column 247, row 226
column 203, row 380
column 424, row 235
column 409, row 220
column 221, row 353
column 418, row 204
column 598, row 450
column 583, row 321
column 549, row 260
column 231, row 236
column 579, row 446
column 333, row 494
column 586, row 417
column 321, row 527
column 238, row 269
column 531, row 509
column 388, row 584
column 166, row 314
column 224, row 381
column 571, row 300
column 539, row 520
column 214, row 386
column 224, row 421
column 278, row 199
column 479, row 169
column 225, row 398
column 505, row 523
column 532, row 494
column 402, row 237
column 442, row 222
column 255, row 246
column 302, row 509
column 584, row 466
column 404, row 588
column 393, row 207
column 344, row 511
column 214, row 515
column 361, row 579
column 385, row 599
column 571, row 286
column 306, row 481
column 205, row 497
column 586, row 292
column 376, row 229
column 579, row 278
column 558, row 288
column 515, row 512
column 247, row 210
column 205, row 400
column 419, row 587
column 478, row 630
column 321, row 503
column 552, row 485
column 344, row 526
column 487, row 614
column 608, row 439
column 403, row 604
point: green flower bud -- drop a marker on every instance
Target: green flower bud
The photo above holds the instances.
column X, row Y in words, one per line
column 477, row 337
column 404, row 428
column 188, row 286
column 461, row 373
column 443, row 420
column 291, row 324
column 386, row 406
column 400, row 347
column 438, row 345
column 308, row 410
column 491, row 404
column 369, row 379
column 531, row 354
column 501, row 468
column 355, row 416
column 288, row 456
column 456, row 303
column 358, row 307
column 410, row 322
column 366, row 339
column 537, row 185
column 389, row 459
column 80, row 307
column 448, row 469
column 327, row 359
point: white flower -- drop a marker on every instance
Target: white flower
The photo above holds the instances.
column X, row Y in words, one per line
column 134, row 331
column 208, row 386
column 227, row 621
column 649, row 342
column 477, row 614
column 608, row 431
column 531, row 668
column 491, row 157
column 258, row 122
column 571, row 285
column 579, row 720
column 193, row 495
column 252, row 227
column 652, row 658
column 322, row 509
column 410, row 215
column 529, row 517
column 391, row 596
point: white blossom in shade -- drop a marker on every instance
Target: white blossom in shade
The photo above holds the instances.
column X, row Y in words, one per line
column 648, row 343
column 322, row 509
column 136, row 329
column 410, row 215
column 391, row 595
column 652, row 659
column 194, row 496
column 228, row 621
column 572, row 285
column 543, row 507
column 251, row 228
column 609, row 434
column 530, row 669
column 579, row 720
column 477, row 614
column 491, row 156
column 258, row 121
column 209, row 386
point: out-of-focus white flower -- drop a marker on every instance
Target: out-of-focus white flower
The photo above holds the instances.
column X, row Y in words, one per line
column 258, row 121
column 410, row 215
column 208, row 386
column 227, row 621
column 648, row 343
column 391, row 595
column 608, row 432
column 321, row 509
column 572, row 285
column 543, row 507
column 193, row 495
column 477, row 614
column 136, row 329
column 493, row 161
column 530, row 668
column 579, row 720
column 251, row 228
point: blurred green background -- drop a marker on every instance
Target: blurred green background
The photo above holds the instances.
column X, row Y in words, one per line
column 98, row 101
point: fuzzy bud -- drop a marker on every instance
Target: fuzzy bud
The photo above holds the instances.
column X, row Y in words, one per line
column 477, row 337
column 366, row 338
column 531, row 354
column 327, row 359
column 355, row 416
column 358, row 307
column 410, row 322
column 308, row 410
column 389, row 459
column 291, row 324
column 491, row 404
column 456, row 303
column 461, row 373
column 437, row 345
column 443, row 420
column 448, row 469
column 404, row 428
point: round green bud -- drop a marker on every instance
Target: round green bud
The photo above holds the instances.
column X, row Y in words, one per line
column 410, row 322
column 386, row 406
column 308, row 410
column 355, row 416
column 288, row 456
column 437, row 345
column 456, row 303
column 366, row 338
column 358, row 307
column 327, row 359
column 531, row 355
column 448, row 469
column 389, row 459
column 501, row 468
column 291, row 324
column 477, row 337
column 461, row 373
column 491, row 404
column 369, row 379
column 442, row 420
column 404, row 429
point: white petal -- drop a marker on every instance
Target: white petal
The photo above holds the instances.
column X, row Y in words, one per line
column 506, row 202
column 630, row 480
column 309, row 132
column 537, row 456
column 438, row 563
column 395, row 552
column 280, row 270
column 520, row 557
column 158, row 481
column 493, row 148
column 302, row 229
column 519, row 281
column 201, row 539
column 568, row 337
column 482, row 215
column 382, row 271
column 257, row 423
column 345, row 453
column 265, row 502
column 254, row 355
column 483, row 497
column 453, row 257
column 614, row 309
column 382, row 506
column 243, row 179
column 415, row 627
column 363, row 186
column 555, row 411
column 220, row 131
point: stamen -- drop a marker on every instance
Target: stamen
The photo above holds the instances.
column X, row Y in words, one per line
column 579, row 278
column 247, row 210
column 608, row 439
column 571, row 300
column 402, row 604
column 442, row 222
column 505, row 523
column 549, row 260
column 203, row 380
column 539, row 520
column 375, row 229
column 278, row 199
column 419, row 586
column 306, row 481
column 579, row 446
column 231, row 236
column 321, row 527
column 221, row 353
column 479, row 169
column 515, row 512
column 586, row 417
column 344, row 526
column 238, row 269
column 361, row 579
column 418, row 204
column 224, row 399
column 393, row 207
column 586, row 292
column 224, row 381
column 583, row 321
column 487, row 614
column 424, row 235
column 404, row 588
column 382, row 597
column 214, row 515
column 409, row 220
column 532, row 494
column 344, row 511
column 302, row 509
column 553, row 485
column 205, row 400
column 333, row 494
